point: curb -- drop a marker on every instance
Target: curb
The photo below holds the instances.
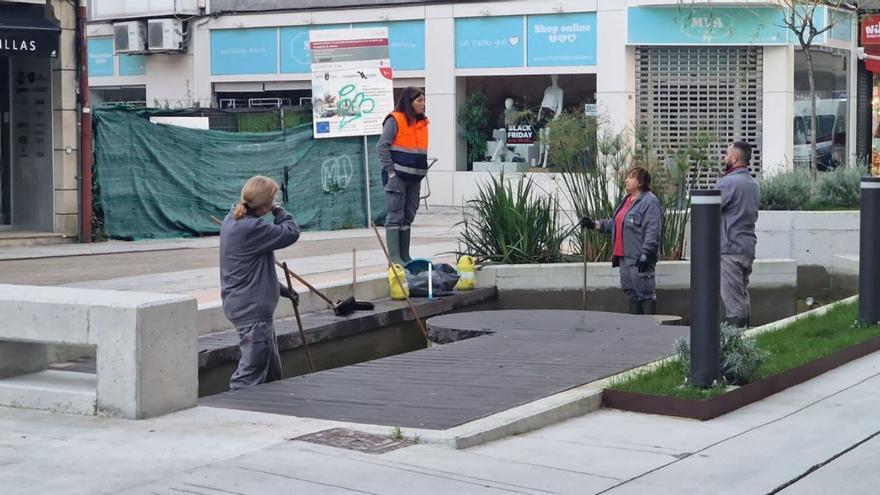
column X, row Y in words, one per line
column 521, row 419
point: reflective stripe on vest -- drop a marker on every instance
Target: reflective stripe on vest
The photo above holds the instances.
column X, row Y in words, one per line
column 409, row 151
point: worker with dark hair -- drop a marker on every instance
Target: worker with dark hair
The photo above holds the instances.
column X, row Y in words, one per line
column 248, row 284
column 635, row 237
column 740, row 200
column 402, row 151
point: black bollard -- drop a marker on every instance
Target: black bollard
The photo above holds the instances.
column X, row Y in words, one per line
column 869, row 252
column 705, row 287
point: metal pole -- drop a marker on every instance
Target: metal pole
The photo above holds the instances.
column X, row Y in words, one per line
column 705, row 287
column 85, row 123
column 869, row 252
column 367, row 182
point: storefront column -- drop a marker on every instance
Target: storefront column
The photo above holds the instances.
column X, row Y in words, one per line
column 65, row 136
column 201, row 65
column 441, row 93
column 615, row 79
column 778, row 109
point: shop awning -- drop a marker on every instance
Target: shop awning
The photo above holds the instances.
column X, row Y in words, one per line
column 25, row 30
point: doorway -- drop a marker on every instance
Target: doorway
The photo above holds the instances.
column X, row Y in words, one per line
column 5, row 148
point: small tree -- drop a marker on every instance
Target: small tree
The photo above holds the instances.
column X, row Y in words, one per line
column 799, row 17
column 474, row 125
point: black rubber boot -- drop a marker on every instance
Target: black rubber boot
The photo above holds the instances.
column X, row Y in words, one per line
column 635, row 308
column 649, row 306
column 736, row 322
column 404, row 246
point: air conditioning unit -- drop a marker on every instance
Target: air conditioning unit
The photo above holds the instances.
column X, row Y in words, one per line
column 165, row 34
column 130, row 36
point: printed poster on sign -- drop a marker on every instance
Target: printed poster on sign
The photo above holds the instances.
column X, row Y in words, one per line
column 352, row 91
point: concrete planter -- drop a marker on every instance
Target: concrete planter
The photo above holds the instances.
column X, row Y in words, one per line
column 559, row 286
column 741, row 396
column 811, row 238
column 767, row 273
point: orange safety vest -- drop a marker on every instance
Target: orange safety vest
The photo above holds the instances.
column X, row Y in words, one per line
column 409, row 150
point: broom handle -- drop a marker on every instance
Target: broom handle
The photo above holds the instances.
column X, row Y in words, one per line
column 400, row 284
column 299, row 324
column 584, row 247
column 302, row 281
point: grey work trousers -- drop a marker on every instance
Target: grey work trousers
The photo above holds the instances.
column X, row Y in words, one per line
column 401, row 202
column 260, row 361
column 735, row 271
column 637, row 286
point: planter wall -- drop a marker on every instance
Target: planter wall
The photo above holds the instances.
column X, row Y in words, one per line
column 739, row 397
column 811, row 238
column 556, row 286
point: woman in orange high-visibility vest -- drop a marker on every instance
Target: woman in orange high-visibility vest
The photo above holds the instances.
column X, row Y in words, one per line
column 403, row 155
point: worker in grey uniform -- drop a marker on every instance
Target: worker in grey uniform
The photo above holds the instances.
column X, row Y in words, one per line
column 740, row 201
column 402, row 152
column 249, row 286
column 635, row 237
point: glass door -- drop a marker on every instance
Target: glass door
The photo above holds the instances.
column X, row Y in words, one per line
column 5, row 148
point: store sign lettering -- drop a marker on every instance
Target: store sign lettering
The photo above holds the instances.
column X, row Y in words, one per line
column 650, row 25
column 562, row 34
column 520, row 134
column 871, row 30
column 707, row 23
column 18, row 45
column 561, row 40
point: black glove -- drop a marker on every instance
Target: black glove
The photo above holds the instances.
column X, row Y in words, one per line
column 587, row 223
column 290, row 294
column 644, row 264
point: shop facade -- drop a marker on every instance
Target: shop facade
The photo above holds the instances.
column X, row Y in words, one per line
column 729, row 70
column 870, row 40
column 39, row 158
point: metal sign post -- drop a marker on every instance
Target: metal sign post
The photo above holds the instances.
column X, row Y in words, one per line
column 367, row 182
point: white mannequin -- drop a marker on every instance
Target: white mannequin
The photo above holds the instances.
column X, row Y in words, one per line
column 509, row 112
column 551, row 103
column 500, row 137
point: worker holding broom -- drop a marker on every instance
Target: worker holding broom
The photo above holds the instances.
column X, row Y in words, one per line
column 248, row 284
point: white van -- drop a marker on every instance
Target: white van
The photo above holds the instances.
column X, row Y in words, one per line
column 831, row 141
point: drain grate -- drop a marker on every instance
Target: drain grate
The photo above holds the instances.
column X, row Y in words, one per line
column 355, row 440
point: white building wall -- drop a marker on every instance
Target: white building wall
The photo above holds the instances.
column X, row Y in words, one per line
column 615, row 79
column 778, row 109
column 170, row 81
column 188, row 77
column 442, row 98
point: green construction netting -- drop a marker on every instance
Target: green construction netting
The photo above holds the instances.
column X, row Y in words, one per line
column 161, row 181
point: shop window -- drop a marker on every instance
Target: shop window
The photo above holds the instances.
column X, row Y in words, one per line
column 513, row 109
column 127, row 95
column 687, row 92
column 831, row 80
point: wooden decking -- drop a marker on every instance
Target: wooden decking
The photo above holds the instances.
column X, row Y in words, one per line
column 516, row 357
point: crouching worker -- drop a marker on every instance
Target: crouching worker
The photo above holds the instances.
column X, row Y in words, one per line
column 249, row 286
column 635, row 237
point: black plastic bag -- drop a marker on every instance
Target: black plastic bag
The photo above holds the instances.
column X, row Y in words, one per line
column 444, row 278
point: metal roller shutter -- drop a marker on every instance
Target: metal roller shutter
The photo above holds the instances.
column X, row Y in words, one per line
column 682, row 91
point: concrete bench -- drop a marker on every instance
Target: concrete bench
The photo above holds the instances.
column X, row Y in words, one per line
column 146, row 348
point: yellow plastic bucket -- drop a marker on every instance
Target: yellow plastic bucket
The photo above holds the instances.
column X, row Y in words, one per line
column 467, row 280
column 398, row 292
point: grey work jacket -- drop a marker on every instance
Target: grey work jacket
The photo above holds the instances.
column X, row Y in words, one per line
column 740, row 201
column 641, row 228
